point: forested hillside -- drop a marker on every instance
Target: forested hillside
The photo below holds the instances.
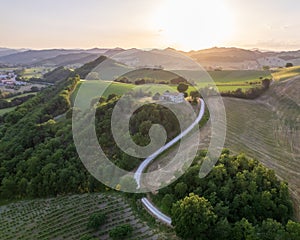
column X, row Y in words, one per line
column 37, row 154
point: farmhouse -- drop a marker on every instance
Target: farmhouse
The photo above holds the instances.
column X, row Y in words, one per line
column 172, row 97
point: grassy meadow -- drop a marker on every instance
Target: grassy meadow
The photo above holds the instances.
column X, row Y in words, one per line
column 21, row 95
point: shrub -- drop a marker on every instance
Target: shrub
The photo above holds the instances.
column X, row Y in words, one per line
column 96, row 220
column 121, row 232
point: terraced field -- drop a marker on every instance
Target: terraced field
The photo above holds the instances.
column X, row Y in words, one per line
column 66, row 218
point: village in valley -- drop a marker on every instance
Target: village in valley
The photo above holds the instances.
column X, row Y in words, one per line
column 9, row 79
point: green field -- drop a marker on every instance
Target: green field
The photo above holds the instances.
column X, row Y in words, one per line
column 66, row 218
column 21, row 95
column 120, row 88
column 226, row 80
column 33, row 72
column 238, row 76
column 228, row 76
column 93, row 85
column 228, row 88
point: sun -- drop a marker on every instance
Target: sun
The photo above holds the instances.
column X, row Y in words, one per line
column 193, row 24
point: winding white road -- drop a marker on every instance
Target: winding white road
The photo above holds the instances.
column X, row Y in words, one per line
column 137, row 176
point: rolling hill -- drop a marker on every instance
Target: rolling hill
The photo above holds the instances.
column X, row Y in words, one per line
column 217, row 57
column 52, row 57
column 69, row 59
column 236, row 58
column 7, row 51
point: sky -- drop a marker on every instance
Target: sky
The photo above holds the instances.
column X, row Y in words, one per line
column 181, row 24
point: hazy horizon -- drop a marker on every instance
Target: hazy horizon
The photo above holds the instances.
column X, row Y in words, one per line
column 183, row 25
column 99, row 47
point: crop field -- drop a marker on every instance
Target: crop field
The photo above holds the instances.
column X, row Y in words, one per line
column 230, row 76
column 285, row 73
column 66, row 218
column 238, row 76
column 33, row 72
column 228, row 88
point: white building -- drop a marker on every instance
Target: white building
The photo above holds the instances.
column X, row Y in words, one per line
column 172, row 97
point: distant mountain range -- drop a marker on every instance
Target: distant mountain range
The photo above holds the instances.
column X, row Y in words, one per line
column 225, row 58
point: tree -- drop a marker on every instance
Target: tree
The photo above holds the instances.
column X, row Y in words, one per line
column 182, row 87
column 271, row 230
column 180, row 189
column 243, row 230
column 266, row 83
column 293, row 230
column 265, row 68
column 96, row 220
column 128, row 183
column 121, row 232
column 195, row 94
column 287, row 65
column 193, row 217
column 166, row 202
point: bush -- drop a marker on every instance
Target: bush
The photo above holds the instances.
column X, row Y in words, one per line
column 96, row 220
column 121, row 232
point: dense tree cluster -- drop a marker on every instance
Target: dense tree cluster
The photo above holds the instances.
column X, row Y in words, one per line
column 37, row 157
column 37, row 154
column 239, row 199
column 140, row 124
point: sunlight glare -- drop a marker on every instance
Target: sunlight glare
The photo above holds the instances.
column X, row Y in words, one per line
column 194, row 24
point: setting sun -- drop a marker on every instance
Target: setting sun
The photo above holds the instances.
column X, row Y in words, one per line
column 195, row 25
